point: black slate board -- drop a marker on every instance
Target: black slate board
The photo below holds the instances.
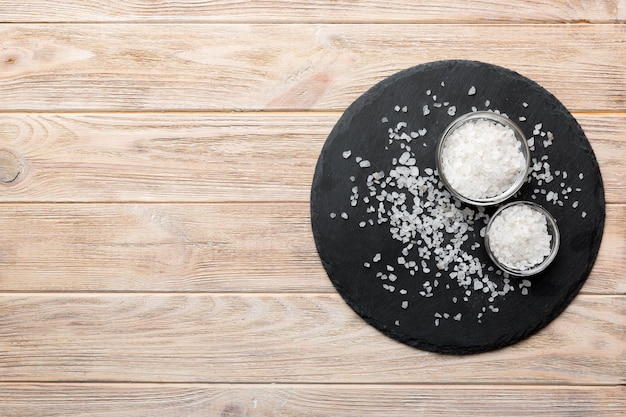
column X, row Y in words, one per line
column 344, row 246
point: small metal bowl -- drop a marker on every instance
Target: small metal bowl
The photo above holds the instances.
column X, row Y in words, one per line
column 519, row 180
column 553, row 230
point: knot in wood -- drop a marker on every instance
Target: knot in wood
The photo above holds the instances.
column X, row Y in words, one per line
column 10, row 166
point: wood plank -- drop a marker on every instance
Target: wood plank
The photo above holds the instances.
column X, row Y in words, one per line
column 287, row 338
column 310, row 11
column 190, row 400
column 64, row 67
column 201, row 157
column 195, row 248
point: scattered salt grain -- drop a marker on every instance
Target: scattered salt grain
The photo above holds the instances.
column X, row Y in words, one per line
column 452, row 111
column 522, row 119
column 376, row 257
column 346, row 154
column 333, row 215
column 344, row 215
column 487, row 103
column 404, row 109
column 525, row 104
column 471, row 91
column 364, row 164
column 583, row 214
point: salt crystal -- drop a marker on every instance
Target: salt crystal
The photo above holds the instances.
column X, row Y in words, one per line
column 346, row 154
column 471, row 91
column 344, row 215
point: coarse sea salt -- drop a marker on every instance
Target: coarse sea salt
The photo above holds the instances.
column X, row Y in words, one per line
column 519, row 237
column 482, row 158
column 431, row 226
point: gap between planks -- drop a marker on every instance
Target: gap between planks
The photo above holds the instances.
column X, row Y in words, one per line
column 444, row 385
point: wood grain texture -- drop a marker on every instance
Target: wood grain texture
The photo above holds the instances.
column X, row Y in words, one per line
column 156, row 256
column 311, row 11
column 66, row 400
column 200, row 157
column 60, row 67
column 195, row 248
column 280, row 338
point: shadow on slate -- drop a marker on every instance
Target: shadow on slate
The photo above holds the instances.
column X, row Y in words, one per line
column 344, row 246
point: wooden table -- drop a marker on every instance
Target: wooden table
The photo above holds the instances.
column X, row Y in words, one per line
column 156, row 257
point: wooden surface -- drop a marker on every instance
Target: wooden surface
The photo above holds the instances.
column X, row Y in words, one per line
column 156, row 256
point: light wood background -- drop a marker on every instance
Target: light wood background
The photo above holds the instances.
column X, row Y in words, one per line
column 156, row 257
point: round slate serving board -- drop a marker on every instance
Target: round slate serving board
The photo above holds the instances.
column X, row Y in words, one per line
column 454, row 319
